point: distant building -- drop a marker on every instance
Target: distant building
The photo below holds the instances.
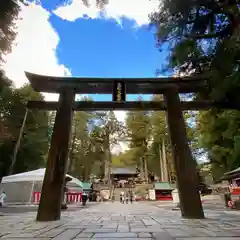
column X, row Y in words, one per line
column 233, row 176
column 163, row 190
column 123, row 174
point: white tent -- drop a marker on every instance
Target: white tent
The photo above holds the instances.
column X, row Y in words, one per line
column 20, row 187
column 36, row 175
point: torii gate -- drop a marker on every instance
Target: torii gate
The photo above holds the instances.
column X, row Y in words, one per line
column 52, row 189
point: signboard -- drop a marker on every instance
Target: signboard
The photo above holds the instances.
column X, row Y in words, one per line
column 152, row 194
column 175, row 196
column 119, row 91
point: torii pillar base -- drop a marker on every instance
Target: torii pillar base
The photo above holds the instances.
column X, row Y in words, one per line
column 53, row 184
column 190, row 201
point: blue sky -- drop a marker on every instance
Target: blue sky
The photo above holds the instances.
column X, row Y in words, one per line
column 72, row 40
column 105, row 48
column 59, row 40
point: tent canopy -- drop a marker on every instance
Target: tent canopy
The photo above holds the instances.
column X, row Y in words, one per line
column 232, row 174
column 237, row 170
column 36, row 175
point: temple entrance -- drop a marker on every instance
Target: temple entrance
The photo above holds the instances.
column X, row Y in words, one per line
column 123, row 177
column 52, row 190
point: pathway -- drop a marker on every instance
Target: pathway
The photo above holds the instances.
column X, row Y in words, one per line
column 121, row 221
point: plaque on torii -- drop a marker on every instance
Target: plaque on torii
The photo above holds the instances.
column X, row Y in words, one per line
column 52, row 189
column 119, row 92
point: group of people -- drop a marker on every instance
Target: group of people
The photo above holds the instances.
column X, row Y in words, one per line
column 125, row 198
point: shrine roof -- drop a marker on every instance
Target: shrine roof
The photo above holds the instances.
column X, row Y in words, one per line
column 123, row 171
column 87, row 186
column 164, row 186
column 84, row 85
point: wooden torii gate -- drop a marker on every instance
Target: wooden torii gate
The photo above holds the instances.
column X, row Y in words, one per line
column 52, row 189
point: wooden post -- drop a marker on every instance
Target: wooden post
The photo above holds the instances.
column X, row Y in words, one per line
column 190, row 202
column 53, row 184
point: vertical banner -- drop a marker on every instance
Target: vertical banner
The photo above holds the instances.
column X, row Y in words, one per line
column 119, row 91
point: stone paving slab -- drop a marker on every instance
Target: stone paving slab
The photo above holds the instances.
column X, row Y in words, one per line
column 117, row 221
column 207, row 238
column 20, row 238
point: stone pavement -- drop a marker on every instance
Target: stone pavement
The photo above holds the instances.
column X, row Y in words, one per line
column 117, row 221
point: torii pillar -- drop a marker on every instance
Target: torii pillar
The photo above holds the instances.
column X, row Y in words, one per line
column 190, row 201
column 53, row 184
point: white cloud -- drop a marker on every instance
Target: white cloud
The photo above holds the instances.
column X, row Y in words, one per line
column 34, row 49
column 120, row 115
column 137, row 10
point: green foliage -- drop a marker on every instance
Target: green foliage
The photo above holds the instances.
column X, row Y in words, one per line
column 139, row 130
column 158, row 133
column 93, row 136
column 219, row 133
column 200, row 35
column 158, row 122
column 124, row 159
column 82, row 151
column 196, row 19
column 34, row 144
column 8, row 12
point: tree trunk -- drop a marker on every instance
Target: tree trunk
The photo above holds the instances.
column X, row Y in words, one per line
column 160, row 162
column 145, row 169
column 109, row 165
column 190, row 202
column 53, row 184
column 86, row 173
column 164, row 161
column 106, row 165
column 71, row 161
column 141, row 169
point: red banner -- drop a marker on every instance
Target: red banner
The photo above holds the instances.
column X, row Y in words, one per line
column 72, row 197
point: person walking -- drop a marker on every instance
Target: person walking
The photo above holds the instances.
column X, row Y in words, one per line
column 3, row 195
column 113, row 197
column 131, row 197
column 127, row 197
column 122, row 197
